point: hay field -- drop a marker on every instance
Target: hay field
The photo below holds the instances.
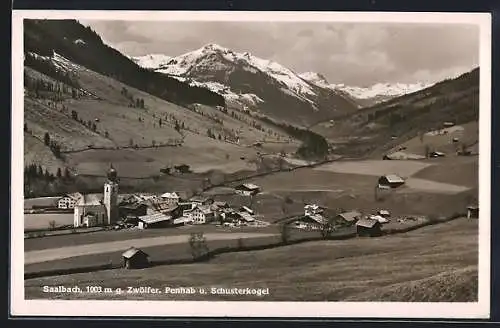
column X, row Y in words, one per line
column 457, row 170
column 372, row 269
column 42, row 221
column 375, row 167
column 52, row 254
column 202, row 154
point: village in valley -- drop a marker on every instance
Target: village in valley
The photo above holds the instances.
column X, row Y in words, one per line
column 218, row 168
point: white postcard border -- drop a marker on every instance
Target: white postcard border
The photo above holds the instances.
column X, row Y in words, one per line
column 22, row 307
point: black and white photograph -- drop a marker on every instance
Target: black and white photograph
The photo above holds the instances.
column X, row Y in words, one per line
column 288, row 164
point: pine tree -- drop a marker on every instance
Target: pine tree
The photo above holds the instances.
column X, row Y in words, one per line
column 66, row 173
column 59, row 173
column 25, row 127
column 46, row 139
column 159, row 122
column 40, row 171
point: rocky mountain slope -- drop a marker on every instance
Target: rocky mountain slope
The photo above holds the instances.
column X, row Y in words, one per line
column 253, row 84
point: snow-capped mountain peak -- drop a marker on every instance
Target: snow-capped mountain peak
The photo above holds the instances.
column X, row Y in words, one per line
column 382, row 91
column 151, row 61
column 213, row 56
column 315, row 78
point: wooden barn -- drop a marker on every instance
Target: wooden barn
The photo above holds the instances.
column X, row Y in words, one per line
column 391, row 180
column 134, row 258
column 368, row 228
column 348, row 218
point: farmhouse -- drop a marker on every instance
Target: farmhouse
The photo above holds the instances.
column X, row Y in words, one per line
column 448, row 124
column 368, row 227
column 312, row 209
column 349, row 217
column 390, row 180
column 157, row 220
column 247, row 189
column 171, row 198
column 134, row 258
column 310, row 222
column 473, row 212
column 200, row 214
column 69, row 201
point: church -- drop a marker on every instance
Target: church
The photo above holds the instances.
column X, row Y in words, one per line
column 97, row 209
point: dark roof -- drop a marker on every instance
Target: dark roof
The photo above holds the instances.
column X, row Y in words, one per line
column 132, row 251
column 367, row 223
column 473, row 207
column 248, row 186
column 350, row 216
column 154, row 218
column 393, row 178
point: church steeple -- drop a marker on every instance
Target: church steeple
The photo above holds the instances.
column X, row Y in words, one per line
column 112, row 174
column 111, row 195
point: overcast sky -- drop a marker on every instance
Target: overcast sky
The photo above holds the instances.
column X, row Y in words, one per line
column 354, row 54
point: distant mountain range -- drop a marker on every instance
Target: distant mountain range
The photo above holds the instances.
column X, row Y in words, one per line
column 374, row 94
column 202, row 67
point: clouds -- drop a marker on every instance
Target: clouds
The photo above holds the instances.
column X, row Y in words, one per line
column 355, row 54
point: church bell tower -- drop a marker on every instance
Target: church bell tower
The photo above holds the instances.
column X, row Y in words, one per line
column 111, row 196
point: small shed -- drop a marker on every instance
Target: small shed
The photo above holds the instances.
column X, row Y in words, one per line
column 368, row 227
column 391, row 180
column 472, row 212
column 247, row 189
column 134, row 258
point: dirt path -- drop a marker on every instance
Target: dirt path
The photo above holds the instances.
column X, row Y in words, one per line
column 114, row 246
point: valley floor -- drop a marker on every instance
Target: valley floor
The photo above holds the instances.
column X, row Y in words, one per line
column 436, row 263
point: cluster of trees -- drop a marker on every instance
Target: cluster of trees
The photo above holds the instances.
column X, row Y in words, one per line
column 134, row 102
column 45, row 36
column 53, row 145
column 211, row 134
column 34, row 171
column 48, row 89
